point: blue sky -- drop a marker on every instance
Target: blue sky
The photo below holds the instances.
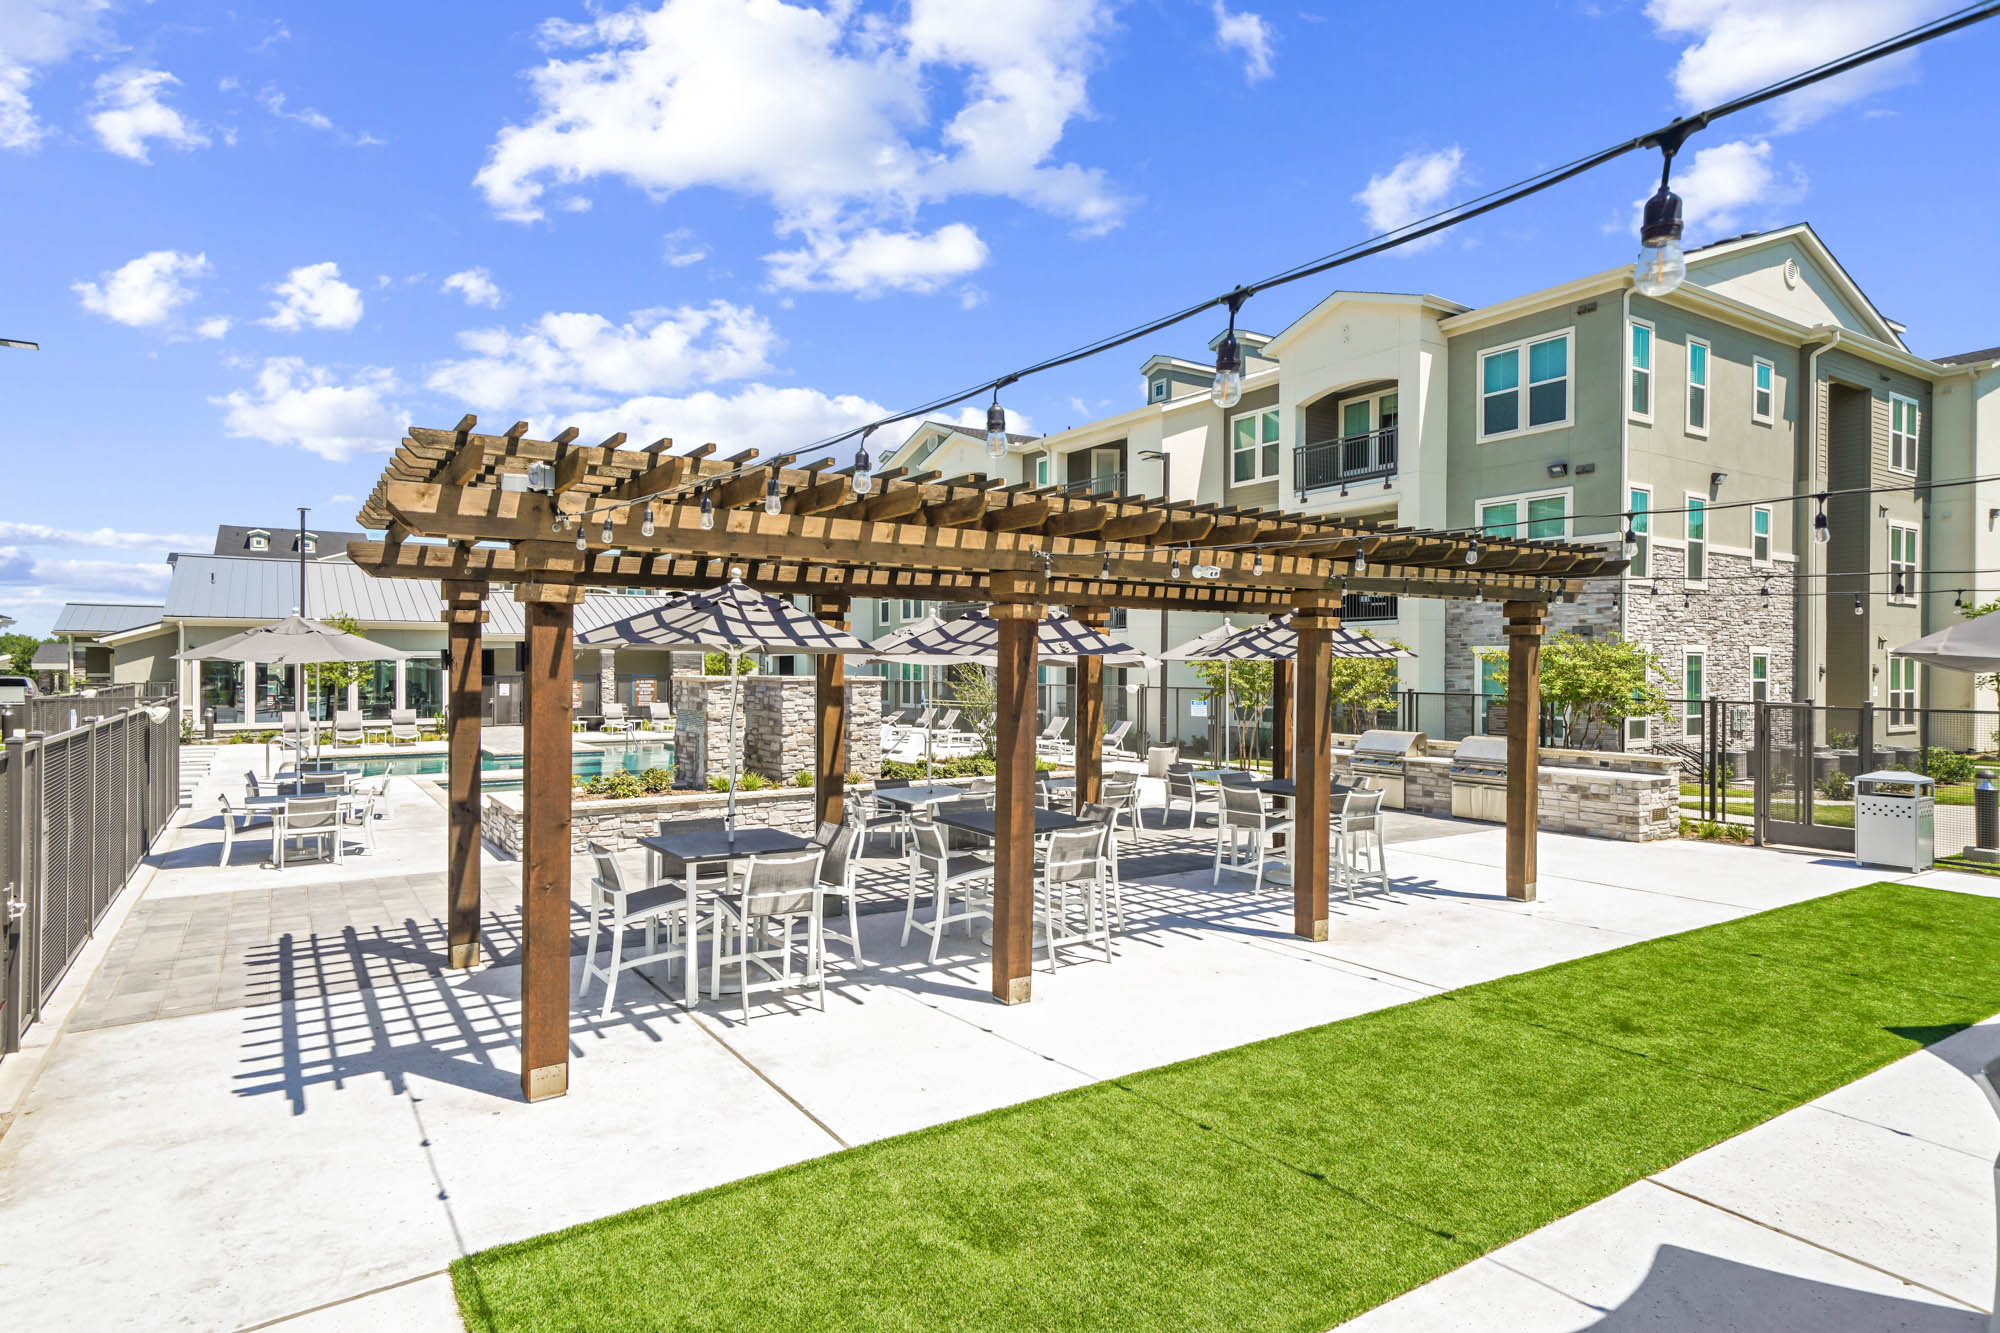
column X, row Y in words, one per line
column 255, row 244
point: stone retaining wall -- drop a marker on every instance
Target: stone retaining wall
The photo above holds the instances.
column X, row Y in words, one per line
column 1629, row 797
column 779, row 721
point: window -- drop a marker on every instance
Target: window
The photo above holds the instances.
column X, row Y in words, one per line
column 1541, row 516
column 1760, row 677
column 1492, row 664
column 1697, row 539
column 1041, row 469
column 1253, row 446
column 260, row 541
column 312, row 544
column 1697, row 405
column 1524, row 386
column 912, row 610
column 922, row 453
column 1637, row 730
column 1640, row 355
column 1763, row 390
column 1642, row 528
column 1760, row 534
column 1159, row 391
column 1902, row 692
column 1902, row 433
column 1693, row 666
column 1902, row 562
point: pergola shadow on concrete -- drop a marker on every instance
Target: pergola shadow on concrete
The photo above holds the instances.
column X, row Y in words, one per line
column 554, row 518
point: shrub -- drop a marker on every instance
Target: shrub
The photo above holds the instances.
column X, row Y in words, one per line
column 1836, row 786
column 658, row 779
column 802, row 778
column 187, row 729
column 1948, row 767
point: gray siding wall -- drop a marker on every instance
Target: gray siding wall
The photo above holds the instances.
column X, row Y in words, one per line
column 1263, row 493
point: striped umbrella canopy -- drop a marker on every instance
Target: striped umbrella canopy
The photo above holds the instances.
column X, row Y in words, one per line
column 1276, row 639
column 975, row 637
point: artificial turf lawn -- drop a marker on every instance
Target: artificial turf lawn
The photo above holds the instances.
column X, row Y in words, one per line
column 1295, row 1182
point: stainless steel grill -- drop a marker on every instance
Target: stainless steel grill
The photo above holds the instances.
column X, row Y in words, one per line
column 1479, row 779
column 1379, row 757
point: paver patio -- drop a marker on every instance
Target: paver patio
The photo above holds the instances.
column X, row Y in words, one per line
column 325, row 1146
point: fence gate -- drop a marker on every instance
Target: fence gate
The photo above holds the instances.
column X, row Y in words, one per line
column 1784, row 770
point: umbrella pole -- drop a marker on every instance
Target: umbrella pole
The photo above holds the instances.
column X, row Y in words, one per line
column 735, row 658
column 1226, row 717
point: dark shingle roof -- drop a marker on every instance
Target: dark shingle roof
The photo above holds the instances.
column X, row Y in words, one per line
column 234, row 539
column 1970, row 358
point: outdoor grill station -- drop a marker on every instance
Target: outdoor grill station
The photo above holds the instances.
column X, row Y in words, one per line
column 555, row 518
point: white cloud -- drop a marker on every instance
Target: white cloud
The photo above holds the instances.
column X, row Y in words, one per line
column 1246, row 34
column 274, row 102
column 572, row 361
column 144, row 292
column 107, row 578
column 130, row 114
column 1737, row 45
column 216, row 326
column 971, row 296
column 1414, row 188
column 35, row 34
column 871, row 262
column 683, row 248
column 39, row 534
column 755, row 416
column 313, row 296
column 476, row 285
column 1728, row 184
column 308, row 407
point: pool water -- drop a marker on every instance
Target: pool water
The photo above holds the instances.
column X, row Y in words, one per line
column 634, row 758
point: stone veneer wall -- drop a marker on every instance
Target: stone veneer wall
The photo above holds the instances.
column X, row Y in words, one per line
column 1629, row 798
column 702, row 725
column 781, row 725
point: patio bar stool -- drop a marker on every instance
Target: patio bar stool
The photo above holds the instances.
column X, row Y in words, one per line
column 235, row 822
column 615, row 907
column 842, row 843
column 1075, row 859
column 1182, row 786
column 1244, row 820
column 778, row 894
column 1357, row 840
column 307, row 819
column 1094, row 813
column 950, row 877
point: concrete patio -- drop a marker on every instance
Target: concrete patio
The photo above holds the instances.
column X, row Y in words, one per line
column 271, row 1106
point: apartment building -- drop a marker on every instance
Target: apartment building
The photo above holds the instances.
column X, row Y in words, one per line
column 1580, row 410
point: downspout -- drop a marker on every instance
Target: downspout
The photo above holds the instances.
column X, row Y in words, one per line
column 1625, row 445
column 1812, row 610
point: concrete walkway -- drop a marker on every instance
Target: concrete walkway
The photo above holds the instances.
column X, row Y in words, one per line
column 272, row 1107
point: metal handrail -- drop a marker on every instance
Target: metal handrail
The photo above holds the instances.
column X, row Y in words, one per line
column 1319, row 464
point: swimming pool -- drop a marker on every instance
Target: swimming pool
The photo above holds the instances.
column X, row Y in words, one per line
column 502, row 770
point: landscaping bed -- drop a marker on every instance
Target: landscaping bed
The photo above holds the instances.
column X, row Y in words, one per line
column 1295, row 1182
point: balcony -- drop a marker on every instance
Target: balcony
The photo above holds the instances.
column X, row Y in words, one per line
column 1364, row 606
column 1344, row 461
column 1104, row 483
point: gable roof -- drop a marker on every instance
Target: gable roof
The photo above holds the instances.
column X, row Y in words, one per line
column 51, row 657
column 1801, row 233
column 104, row 617
column 1332, row 301
column 1979, row 357
column 234, row 539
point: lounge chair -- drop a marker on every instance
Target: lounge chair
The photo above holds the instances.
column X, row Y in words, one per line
column 660, row 716
column 1050, row 741
column 348, row 728
column 616, row 718
column 1114, row 741
column 403, row 725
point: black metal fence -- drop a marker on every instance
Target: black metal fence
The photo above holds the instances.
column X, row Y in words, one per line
column 79, row 808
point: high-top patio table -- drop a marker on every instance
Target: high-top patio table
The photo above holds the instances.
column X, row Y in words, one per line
column 983, row 822
column 684, row 854
column 913, row 798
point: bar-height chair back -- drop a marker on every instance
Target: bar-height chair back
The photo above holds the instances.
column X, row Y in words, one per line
column 306, row 819
column 236, row 821
column 982, row 790
column 1095, row 812
column 403, row 725
column 1243, row 820
column 1074, row 862
column 706, row 874
column 1182, row 786
column 615, row 907
column 836, row 876
column 951, row 878
column 1358, row 849
column 1121, row 792
column 755, row 922
column 370, row 800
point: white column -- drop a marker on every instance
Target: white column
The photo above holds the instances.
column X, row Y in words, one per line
column 402, row 683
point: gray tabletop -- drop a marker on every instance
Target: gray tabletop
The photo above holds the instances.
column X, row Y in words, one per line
column 1278, row 787
column 281, row 798
column 680, row 850
column 909, row 798
column 983, row 822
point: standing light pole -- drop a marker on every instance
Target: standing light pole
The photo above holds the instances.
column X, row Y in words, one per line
column 1166, row 463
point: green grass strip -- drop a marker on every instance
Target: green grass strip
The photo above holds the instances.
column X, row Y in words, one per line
column 1295, row 1182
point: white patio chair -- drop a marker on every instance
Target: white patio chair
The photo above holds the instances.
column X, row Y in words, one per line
column 1114, row 742
column 1244, row 820
column 348, row 728
column 616, row 718
column 778, row 894
column 616, row 907
column 1051, row 797
column 876, row 815
column 254, row 786
column 370, row 801
column 1182, row 786
column 1050, row 741
column 1095, row 813
column 1075, row 859
column 660, row 716
column 1357, row 840
column 307, row 819
column 403, row 726
column 949, row 878
column 1120, row 791
column 842, row 843
column 235, row 821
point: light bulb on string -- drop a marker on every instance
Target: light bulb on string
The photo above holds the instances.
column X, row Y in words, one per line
column 996, row 423
column 646, row 528
column 1858, row 609
column 1360, row 561
column 1472, row 552
column 1105, row 572
column 1227, row 388
column 707, row 513
column 864, row 478
column 1174, row 569
column 1479, row 593
column 1958, row 599
column 1821, row 533
column 1661, row 267
column 1631, row 537
column 773, row 501
column 1899, row 585
column 605, row 534
column 581, row 544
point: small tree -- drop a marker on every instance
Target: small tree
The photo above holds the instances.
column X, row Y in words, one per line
column 18, row 652
column 975, row 692
column 1591, row 685
column 1358, row 687
column 1250, row 686
column 337, row 676
column 1988, row 682
column 717, row 664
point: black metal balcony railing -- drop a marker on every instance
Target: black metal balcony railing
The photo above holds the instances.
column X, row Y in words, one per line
column 1367, row 606
column 1106, row 483
column 1320, row 464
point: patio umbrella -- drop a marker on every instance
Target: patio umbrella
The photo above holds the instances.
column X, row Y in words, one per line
column 1203, row 648
column 1970, row 645
column 733, row 619
column 1276, row 639
column 295, row 642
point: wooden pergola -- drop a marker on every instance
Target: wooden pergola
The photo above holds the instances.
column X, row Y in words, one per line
column 555, row 517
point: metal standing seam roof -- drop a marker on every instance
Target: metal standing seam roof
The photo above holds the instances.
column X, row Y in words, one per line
column 105, row 617
column 209, row 587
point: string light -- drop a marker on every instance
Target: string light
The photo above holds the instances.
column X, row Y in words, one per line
column 1858, row 609
column 864, row 479
column 1174, row 569
column 605, row 534
column 1479, row 592
column 1958, row 599
column 1227, row 390
column 707, row 513
column 1821, row 533
column 1105, row 572
column 1360, row 561
column 996, row 423
column 581, row 544
column 1472, row 552
column 1631, row 537
column 1257, row 565
column 1899, row 584
column 646, row 522
column 1661, row 267
column 773, row 502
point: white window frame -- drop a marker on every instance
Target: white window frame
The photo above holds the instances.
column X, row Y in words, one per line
column 1760, row 690
column 1042, row 471
column 1897, row 438
column 1765, row 512
column 1520, row 348
column 260, row 541
column 1159, row 390
column 1913, row 566
column 1259, row 476
column 1568, row 494
column 1706, row 385
column 1642, row 524
column 1633, row 369
column 1770, row 412
column 1694, row 502
column 1903, row 716
column 1691, row 717
column 1638, row 730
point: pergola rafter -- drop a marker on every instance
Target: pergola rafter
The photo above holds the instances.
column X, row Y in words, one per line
column 455, row 505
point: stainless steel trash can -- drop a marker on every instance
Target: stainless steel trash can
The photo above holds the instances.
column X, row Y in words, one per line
column 1894, row 820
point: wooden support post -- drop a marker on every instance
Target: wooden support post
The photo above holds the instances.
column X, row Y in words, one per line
column 464, row 613
column 1313, row 807
column 545, row 812
column 1525, row 622
column 830, row 695
column 1281, row 718
column 1088, row 724
column 1014, row 804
